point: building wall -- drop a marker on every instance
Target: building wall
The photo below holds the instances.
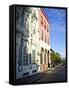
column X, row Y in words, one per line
column 29, row 42
column 26, row 29
column 44, row 27
column 44, row 42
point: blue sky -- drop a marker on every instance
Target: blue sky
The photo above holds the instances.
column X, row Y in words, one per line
column 57, row 22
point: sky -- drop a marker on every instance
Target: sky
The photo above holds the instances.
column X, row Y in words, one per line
column 57, row 28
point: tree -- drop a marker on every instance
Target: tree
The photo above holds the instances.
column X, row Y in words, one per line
column 58, row 58
column 55, row 58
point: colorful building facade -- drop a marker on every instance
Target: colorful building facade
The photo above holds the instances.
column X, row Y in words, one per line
column 32, row 42
column 44, row 41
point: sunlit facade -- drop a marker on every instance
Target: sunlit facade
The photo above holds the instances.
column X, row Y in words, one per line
column 32, row 41
column 44, row 42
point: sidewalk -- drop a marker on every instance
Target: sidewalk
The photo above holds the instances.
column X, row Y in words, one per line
column 33, row 78
column 30, row 79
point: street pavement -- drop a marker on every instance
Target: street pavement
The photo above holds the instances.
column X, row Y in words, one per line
column 53, row 75
column 57, row 74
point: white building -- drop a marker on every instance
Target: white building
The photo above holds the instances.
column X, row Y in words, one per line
column 26, row 41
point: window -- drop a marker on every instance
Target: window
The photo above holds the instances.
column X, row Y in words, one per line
column 33, row 29
column 45, row 58
column 41, row 58
column 48, row 40
column 42, row 35
column 20, row 56
column 17, row 14
column 39, row 35
column 45, row 37
column 25, row 57
column 47, row 29
column 41, row 20
column 19, row 17
column 33, row 56
column 26, row 24
column 45, row 25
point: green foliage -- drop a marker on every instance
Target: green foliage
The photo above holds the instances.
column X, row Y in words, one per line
column 55, row 58
column 64, row 61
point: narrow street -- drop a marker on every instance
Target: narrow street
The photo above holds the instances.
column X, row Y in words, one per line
column 57, row 74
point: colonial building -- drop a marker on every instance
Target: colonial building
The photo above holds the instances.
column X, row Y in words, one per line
column 26, row 41
column 32, row 41
column 44, row 42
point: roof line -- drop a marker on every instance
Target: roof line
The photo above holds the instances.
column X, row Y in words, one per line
column 44, row 14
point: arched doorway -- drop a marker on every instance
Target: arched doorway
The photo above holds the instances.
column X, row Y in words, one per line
column 45, row 57
column 48, row 57
column 41, row 56
column 41, row 60
column 45, row 60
